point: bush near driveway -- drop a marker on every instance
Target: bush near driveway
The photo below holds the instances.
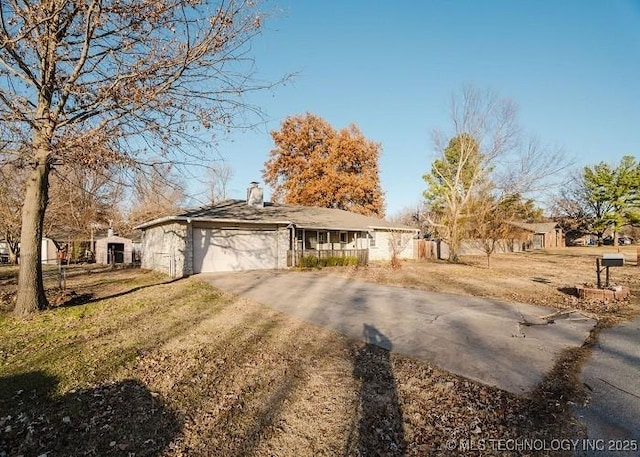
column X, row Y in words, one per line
column 311, row 261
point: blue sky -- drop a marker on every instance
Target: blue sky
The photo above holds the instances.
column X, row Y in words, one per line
column 573, row 67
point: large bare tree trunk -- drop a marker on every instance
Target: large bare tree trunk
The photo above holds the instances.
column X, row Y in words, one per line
column 31, row 296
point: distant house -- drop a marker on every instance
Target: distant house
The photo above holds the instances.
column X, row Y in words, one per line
column 4, row 251
column 251, row 235
column 49, row 251
column 114, row 249
column 580, row 239
column 542, row 235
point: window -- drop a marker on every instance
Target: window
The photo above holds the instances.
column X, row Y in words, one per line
column 343, row 237
column 310, row 239
column 299, row 241
column 372, row 240
column 323, row 237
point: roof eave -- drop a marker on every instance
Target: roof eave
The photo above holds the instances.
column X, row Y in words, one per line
column 237, row 221
column 403, row 229
column 159, row 221
column 164, row 220
column 364, row 228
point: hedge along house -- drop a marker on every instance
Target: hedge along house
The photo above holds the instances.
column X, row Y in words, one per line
column 250, row 234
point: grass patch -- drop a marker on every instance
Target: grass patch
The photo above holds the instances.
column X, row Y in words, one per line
column 81, row 344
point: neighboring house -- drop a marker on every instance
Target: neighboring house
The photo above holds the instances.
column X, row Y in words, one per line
column 251, row 235
column 542, row 235
column 580, row 240
column 49, row 251
column 4, row 251
column 114, row 249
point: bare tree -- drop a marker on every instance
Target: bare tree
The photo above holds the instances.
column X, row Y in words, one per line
column 11, row 192
column 220, row 174
column 531, row 167
column 80, row 198
column 482, row 153
column 570, row 207
column 128, row 82
column 399, row 240
column 493, row 220
column 158, row 192
column 409, row 215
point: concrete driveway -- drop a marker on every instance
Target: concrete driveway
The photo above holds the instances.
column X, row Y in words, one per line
column 478, row 338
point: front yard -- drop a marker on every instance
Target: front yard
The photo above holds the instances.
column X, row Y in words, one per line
column 545, row 278
column 136, row 365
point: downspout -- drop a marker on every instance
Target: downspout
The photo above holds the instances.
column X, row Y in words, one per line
column 188, row 238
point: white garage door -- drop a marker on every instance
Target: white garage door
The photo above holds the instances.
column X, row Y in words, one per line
column 231, row 250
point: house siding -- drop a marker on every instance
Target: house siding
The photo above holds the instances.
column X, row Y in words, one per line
column 49, row 252
column 383, row 245
column 168, row 248
column 284, row 241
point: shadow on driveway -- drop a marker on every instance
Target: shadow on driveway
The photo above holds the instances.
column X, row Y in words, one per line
column 381, row 423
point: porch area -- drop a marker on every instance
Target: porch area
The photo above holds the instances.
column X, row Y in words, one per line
column 339, row 246
column 294, row 258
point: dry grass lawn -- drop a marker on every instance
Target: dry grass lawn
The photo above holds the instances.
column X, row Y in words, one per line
column 132, row 364
column 546, row 278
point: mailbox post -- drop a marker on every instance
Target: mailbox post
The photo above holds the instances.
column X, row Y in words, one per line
column 608, row 260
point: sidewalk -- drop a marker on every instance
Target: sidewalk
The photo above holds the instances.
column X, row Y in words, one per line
column 613, row 374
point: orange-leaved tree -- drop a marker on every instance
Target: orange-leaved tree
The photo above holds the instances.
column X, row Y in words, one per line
column 316, row 165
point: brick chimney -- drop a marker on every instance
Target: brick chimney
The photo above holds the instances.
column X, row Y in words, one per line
column 255, row 195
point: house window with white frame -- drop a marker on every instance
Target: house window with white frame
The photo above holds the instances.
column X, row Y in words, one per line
column 299, row 239
column 372, row 240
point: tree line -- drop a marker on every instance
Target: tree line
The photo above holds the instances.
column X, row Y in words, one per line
column 601, row 198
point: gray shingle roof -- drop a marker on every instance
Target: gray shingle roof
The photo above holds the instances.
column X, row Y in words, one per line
column 540, row 227
column 273, row 213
